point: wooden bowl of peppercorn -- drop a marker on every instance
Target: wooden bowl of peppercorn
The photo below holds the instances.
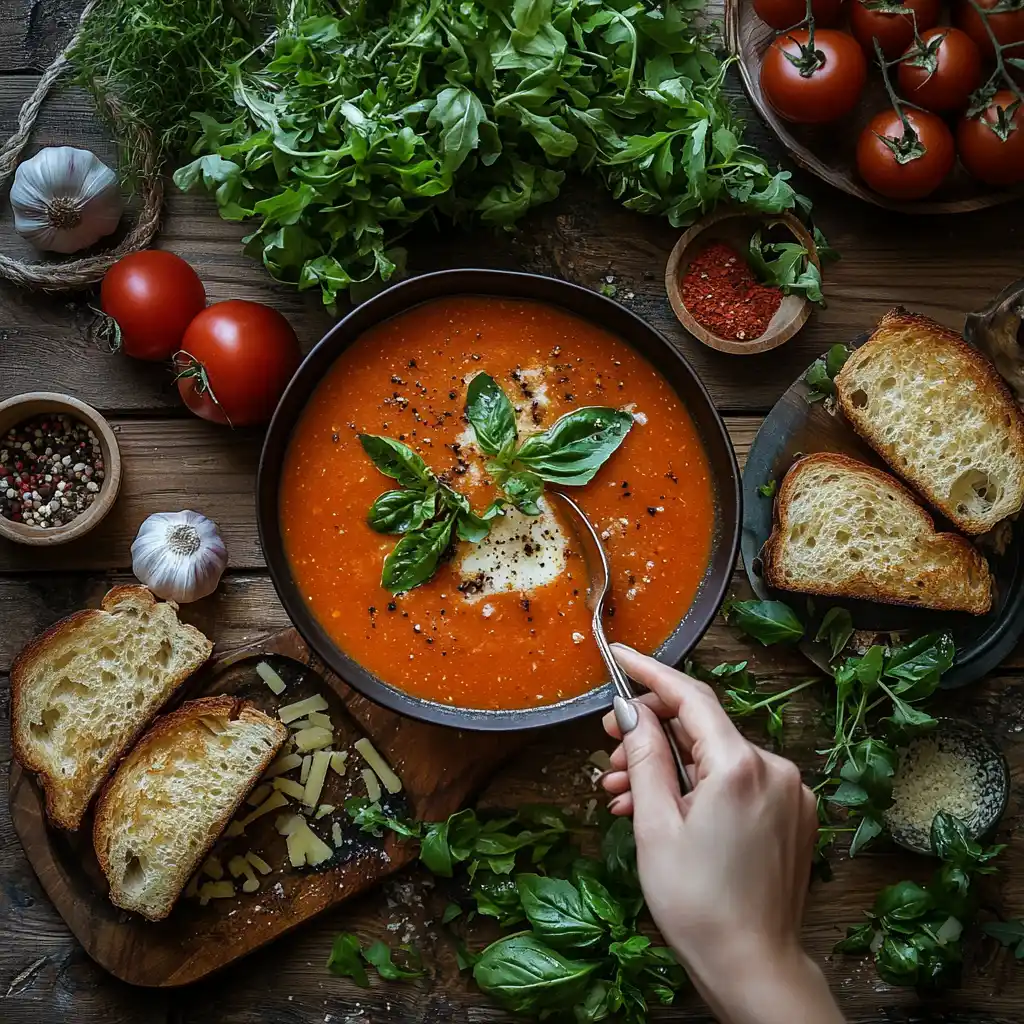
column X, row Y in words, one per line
column 60, row 468
column 713, row 290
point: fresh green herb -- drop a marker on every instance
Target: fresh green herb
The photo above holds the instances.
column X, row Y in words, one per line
column 348, row 957
column 609, row 291
column 914, row 932
column 577, row 954
column 742, row 695
column 568, row 453
column 822, row 372
column 158, row 61
column 787, row 266
column 770, row 622
column 1007, row 933
column 344, row 127
column 425, row 511
column 836, row 628
column 768, row 490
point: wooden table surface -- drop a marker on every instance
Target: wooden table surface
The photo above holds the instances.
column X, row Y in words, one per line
column 943, row 267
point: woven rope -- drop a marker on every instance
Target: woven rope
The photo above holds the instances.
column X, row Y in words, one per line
column 80, row 273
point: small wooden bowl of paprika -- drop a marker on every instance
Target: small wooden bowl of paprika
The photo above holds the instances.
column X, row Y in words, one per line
column 735, row 313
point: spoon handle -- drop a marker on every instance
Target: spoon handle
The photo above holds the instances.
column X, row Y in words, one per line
column 624, row 688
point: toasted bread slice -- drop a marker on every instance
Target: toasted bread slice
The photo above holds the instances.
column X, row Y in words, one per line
column 845, row 529
column 941, row 416
column 173, row 795
column 87, row 687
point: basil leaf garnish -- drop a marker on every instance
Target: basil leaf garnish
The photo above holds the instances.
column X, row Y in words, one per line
column 471, row 527
column 415, row 557
column 771, row 622
column 491, row 414
column 523, row 489
column 557, row 913
column 575, row 447
column 401, row 511
column 525, row 975
column 396, row 460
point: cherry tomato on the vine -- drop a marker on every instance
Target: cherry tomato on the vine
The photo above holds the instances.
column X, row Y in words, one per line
column 875, row 19
column 1007, row 26
column 153, row 296
column 813, row 86
column 942, row 74
column 782, row 14
column 889, row 162
column 235, row 361
column 991, row 146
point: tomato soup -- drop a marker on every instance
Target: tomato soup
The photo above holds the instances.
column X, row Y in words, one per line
column 462, row 638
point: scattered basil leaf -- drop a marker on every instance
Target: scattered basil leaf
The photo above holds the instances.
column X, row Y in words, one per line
column 345, row 959
column 836, row 628
column 558, row 914
column 524, row 975
column 1007, row 933
column 821, row 373
column 451, row 911
column 770, row 622
column 380, row 956
column 523, row 489
column 491, row 414
column 768, row 490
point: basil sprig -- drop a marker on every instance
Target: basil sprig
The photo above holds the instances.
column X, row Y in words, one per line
column 424, row 511
column 568, row 453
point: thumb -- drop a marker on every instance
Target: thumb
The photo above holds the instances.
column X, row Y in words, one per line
column 652, row 773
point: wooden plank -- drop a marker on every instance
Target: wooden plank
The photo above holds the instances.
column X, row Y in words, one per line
column 584, row 237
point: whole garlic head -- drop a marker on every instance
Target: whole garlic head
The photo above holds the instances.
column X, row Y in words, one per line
column 65, row 199
column 179, row 555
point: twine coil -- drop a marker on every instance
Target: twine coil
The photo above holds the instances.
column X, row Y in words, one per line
column 80, row 273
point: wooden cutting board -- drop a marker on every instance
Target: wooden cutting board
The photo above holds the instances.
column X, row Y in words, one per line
column 440, row 769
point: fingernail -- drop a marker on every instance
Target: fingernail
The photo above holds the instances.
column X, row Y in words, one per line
column 625, row 647
column 613, row 803
column 625, row 715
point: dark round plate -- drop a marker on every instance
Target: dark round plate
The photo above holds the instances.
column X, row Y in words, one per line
column 589, row 305
column 793, row 428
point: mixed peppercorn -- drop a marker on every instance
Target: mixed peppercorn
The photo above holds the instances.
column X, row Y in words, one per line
column 51, row 469
column 722, row 294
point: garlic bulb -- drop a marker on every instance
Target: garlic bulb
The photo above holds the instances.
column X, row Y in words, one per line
column 179, row 555
column 65, row 199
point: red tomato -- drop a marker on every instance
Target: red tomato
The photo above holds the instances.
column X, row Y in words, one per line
column 826, row 93
column 153, row 295
column 895, row 32
column 235, row 361
column 945, row 73
column 787, row 13
column 1007, row 26
column 917, row 177
column 989, row 158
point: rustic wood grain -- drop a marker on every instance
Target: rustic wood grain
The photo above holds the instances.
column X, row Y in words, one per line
column 940, row 266
column 440, row 768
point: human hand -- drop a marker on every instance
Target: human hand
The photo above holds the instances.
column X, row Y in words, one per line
column 725, row 868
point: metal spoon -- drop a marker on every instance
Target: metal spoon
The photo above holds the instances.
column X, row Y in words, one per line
column 600, row 583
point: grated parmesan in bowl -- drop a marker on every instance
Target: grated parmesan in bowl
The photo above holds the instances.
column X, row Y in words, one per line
column 957, row 769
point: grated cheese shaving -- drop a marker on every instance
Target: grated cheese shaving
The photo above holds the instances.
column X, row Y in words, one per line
column 271, row 678
column 373, row 790
column 392, row 783
column 301, row 708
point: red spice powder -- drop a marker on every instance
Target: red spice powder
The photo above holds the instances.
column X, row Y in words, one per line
column 722, row 294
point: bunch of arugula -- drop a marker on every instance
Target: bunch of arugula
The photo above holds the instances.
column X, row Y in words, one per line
column 576, row 953
column 877, row 705
column 915, row 932
column 352, row 125
column 428, row 513
column 786, row 265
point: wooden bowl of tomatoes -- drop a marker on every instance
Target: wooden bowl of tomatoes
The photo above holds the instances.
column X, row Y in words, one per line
column 912, row 106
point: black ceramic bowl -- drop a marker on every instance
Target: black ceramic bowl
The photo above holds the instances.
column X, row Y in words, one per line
column 590, row 306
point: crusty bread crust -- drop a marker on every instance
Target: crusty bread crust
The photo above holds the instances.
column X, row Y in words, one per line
column 170, row 730
column 21, row 678
column 991, row 389
column 866, row 585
